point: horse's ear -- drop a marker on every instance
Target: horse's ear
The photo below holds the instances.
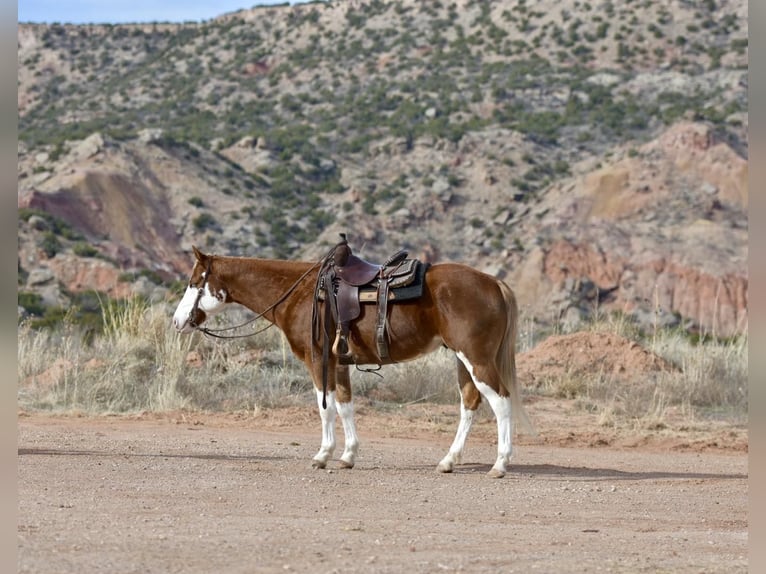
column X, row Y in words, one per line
column 201, row 257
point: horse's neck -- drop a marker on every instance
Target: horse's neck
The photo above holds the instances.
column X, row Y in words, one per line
column 259, row 283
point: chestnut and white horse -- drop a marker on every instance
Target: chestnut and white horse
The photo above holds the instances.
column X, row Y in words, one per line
column 470, row 312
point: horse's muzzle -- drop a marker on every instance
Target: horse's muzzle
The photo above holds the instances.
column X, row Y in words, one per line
column 179, row 324
column 190, row 322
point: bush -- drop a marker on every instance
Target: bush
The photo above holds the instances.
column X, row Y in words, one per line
column 56, row 226
column 50, row 244
column 151, row 275
column 84, row 250
column 204, row 221
column 32, row 303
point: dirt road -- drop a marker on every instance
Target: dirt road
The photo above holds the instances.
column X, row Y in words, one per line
column 237, row 495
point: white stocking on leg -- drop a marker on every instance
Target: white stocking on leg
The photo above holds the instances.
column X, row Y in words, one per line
column 328, row 430
column 455, row 453
column 351, row 446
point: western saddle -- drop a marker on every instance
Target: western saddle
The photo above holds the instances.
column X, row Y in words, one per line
column 345, row 282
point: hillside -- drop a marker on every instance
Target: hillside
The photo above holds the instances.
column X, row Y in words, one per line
column 593, row 154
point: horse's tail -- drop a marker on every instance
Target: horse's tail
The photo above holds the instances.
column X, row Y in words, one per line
column 506, row 361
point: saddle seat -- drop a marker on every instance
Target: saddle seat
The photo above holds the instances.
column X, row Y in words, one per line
column 357, row 271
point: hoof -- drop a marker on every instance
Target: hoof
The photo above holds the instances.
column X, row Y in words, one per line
column 444, row 468
column 344, row 464
column 495, row 473
column 318, row 464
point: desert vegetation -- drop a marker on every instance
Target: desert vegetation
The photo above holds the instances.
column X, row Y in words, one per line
column 427, row 125
column 136, row 362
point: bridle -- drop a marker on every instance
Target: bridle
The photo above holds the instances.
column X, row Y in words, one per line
column 200, row 292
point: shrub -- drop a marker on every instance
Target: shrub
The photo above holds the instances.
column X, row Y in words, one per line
column 204, row 221
column 50, row 244
column 150, row 274
column 56, row 226
column 31, row 302
column 84, row 250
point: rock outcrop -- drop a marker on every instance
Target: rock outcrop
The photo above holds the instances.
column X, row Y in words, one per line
column 660, row 234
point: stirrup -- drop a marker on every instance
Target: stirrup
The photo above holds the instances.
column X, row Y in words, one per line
column 340, row 348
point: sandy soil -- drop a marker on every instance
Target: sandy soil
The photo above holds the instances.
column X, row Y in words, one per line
column 236, row 493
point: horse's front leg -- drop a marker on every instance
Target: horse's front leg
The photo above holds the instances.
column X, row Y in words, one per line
column 328, row 428
column 345, row 406
column 337, row 403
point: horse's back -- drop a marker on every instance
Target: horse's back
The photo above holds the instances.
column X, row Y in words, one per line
column 464, row 285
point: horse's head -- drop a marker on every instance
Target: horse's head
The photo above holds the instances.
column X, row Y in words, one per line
column 205, row 295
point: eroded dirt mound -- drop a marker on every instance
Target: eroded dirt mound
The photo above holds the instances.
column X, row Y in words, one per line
column 583, row 353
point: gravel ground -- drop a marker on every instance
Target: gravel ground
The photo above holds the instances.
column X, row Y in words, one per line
column 211, row 493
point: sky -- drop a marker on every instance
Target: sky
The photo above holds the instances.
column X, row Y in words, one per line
column 129, row 11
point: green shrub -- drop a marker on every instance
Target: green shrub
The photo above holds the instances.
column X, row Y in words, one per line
column 84, row 250
column 31, row 302
column 150, row 274
column 56, row 226
column 204, row 221
column 50, row 244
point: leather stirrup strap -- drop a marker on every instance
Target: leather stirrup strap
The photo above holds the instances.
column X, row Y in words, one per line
column 380, row 327
column 325, row 350
column 330, row 312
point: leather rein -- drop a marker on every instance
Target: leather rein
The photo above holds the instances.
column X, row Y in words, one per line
column 217, row 332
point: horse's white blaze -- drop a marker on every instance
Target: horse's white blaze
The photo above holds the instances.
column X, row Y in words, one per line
column 501, row 406
column 328, row 429
column 208, row 303
column 181, row 316
column 351, row 445
column 455, row 453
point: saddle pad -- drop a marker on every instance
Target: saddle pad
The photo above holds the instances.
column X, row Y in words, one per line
column 411, row 289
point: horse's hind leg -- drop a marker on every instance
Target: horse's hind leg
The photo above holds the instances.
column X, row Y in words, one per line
column 488, row 382
column 470, row 398
column 345, row 405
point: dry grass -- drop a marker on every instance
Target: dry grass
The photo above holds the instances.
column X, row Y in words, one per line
column 710, row 381
column 713, row 376
column 141, row 364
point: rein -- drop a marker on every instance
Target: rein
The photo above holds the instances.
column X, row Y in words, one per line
column 216, row 332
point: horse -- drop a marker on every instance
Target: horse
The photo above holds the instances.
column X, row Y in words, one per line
column 470, row 312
